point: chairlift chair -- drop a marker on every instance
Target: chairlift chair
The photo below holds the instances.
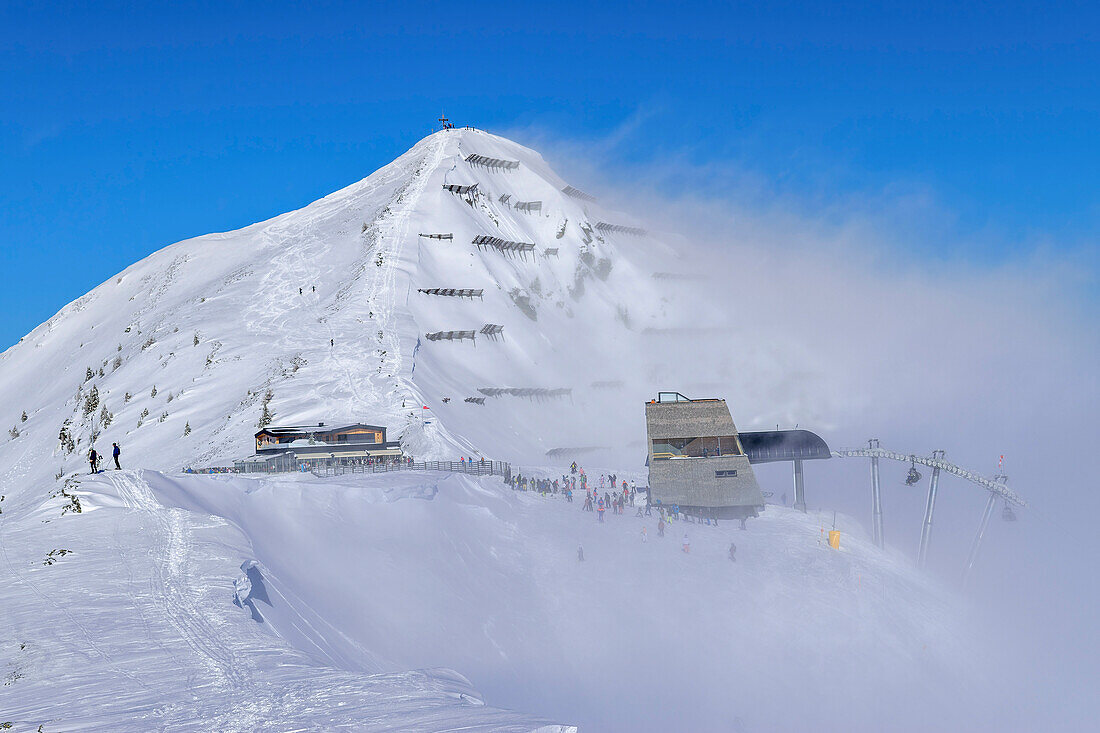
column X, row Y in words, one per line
column 913, row 476
column 1007, row 514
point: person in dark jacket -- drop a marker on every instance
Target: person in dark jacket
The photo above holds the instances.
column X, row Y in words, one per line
column 93, row 459
column 116, row 452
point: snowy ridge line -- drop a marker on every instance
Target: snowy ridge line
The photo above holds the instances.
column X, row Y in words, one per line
column 174, row 599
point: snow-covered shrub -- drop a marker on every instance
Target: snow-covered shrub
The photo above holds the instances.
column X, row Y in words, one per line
column 266, row 415
column 91, row 402
column 65, row 438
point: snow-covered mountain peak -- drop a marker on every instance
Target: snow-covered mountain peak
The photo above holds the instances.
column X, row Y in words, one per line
column 465, row 277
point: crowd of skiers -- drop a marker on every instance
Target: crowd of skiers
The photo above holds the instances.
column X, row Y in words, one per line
column 609, row 493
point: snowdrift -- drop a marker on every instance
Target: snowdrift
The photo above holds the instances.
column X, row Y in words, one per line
column 206, row 598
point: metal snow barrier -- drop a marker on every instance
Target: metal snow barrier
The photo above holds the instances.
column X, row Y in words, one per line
column 482, row 241
column 577, row 194
column 537, row 393
column 487, row 162
column 504, row 197
column 461, row 190
column 438, row 236
column 475, row 400
column 451, row 335
column 453, row 292
column 550, row 252
column 603, row 226
column 492, row 330
column 528, row 206
column 565, row 452
column 611, row 384
column 677, row 276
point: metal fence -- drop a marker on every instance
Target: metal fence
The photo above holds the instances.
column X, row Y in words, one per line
column 475, row 468
column 335, row 466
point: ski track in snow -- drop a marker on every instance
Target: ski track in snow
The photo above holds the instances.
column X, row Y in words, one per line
column 149, row 640
column 170, row 590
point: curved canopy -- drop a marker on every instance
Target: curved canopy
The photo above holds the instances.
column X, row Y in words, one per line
column 770, row 446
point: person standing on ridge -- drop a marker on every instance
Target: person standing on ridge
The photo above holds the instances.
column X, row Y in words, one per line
column 93, row 458
column 687, row 544
column 661, row 526
column 116, row 452
column 600, row 510
column 733, row 552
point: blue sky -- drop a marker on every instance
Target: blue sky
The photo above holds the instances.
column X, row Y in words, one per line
column 126, row 128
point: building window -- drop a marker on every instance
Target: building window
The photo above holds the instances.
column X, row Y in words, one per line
column 731, row 473
column 709, row 447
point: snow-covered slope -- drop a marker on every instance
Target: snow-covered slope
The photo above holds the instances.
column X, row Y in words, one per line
column 216, row 322
column 291, row 602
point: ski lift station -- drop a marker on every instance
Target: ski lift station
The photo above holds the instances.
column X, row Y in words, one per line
column 699, row 462
column 294, row 444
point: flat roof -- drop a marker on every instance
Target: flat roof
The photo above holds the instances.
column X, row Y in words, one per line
column 770, row 446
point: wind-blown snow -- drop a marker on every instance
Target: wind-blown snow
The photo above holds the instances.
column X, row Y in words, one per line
column 291, row 602
column 299, row 601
